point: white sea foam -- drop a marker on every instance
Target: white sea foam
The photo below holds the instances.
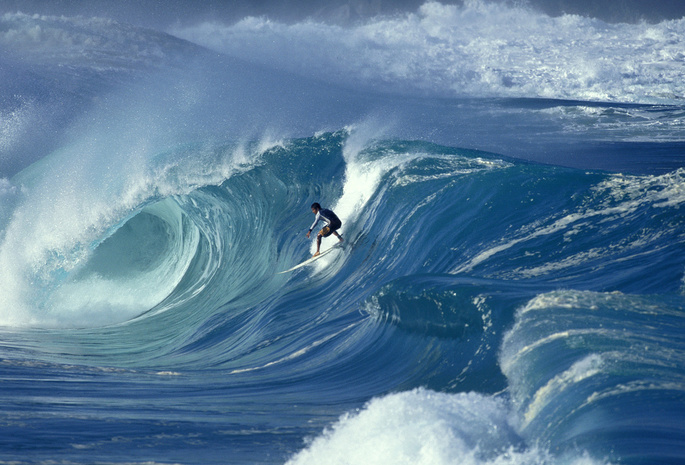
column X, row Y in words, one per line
column 423, row 427
column 479, row 49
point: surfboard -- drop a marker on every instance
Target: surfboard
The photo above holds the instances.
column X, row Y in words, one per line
column 312, row 259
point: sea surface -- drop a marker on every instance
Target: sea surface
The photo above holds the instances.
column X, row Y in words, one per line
column 510, row 289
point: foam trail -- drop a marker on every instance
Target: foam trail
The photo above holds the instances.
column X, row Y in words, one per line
column 363, row 175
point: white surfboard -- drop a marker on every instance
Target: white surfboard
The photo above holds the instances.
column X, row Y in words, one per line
column 312, row 259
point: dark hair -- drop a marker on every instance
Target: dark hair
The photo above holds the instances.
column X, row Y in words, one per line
column 316, row 205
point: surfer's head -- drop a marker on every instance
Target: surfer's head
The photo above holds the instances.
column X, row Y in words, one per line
column 316, row 207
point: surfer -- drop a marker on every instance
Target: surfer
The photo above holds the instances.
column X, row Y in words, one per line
column 333, row 223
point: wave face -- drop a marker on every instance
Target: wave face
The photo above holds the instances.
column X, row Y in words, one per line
column 497, row 299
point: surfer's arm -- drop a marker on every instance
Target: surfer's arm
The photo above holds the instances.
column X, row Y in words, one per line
column 316, row 220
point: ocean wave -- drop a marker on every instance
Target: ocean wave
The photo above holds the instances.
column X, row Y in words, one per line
column 115, row 245
column 615, row 362
column 172, row 199
column 470, row 50
column 173, row 267
column 98, row 44
column 481, row 308
column 431, row 428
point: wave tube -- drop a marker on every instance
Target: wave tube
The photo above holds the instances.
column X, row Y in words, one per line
column 133, row 270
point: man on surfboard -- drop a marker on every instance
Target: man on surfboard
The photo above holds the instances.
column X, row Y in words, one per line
column 333, row 223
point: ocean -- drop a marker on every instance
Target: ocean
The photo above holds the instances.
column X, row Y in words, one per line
column 510, row 289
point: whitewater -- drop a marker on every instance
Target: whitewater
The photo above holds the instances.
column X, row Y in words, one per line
column 511, row 285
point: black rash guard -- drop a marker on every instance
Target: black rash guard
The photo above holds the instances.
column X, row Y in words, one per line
column 328, row 217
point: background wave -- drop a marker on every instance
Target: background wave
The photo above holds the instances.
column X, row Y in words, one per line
column 468, row 51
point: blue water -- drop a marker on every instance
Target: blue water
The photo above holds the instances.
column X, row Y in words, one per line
column 510, row 289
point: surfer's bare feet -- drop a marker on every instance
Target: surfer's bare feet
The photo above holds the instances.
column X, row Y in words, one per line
column 317, row 253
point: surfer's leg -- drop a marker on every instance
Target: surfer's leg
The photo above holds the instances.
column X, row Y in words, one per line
column 333, row 228
column 318, row 244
